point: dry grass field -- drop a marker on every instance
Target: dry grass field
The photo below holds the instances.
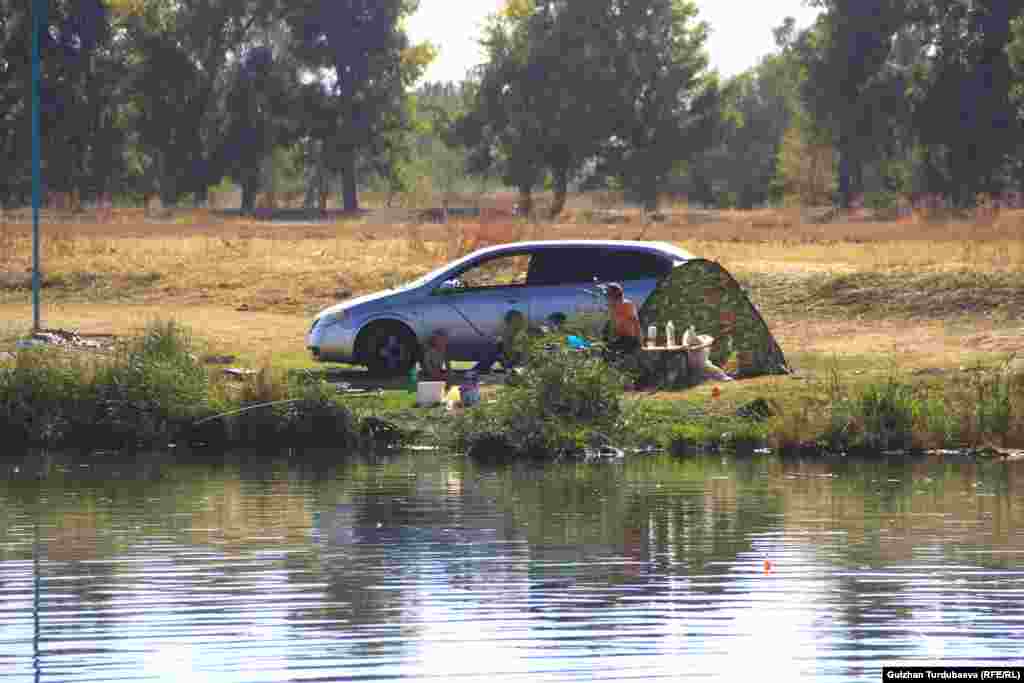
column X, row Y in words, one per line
column 927, row 289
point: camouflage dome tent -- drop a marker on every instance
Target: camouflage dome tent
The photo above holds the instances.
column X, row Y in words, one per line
column 703, row 294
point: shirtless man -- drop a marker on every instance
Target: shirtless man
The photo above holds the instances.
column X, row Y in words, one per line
column 625, row 322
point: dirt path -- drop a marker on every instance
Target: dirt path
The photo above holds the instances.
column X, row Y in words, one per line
column 910, row 343
column 225, row 329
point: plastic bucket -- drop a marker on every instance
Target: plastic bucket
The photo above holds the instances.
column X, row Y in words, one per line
column 429, row 393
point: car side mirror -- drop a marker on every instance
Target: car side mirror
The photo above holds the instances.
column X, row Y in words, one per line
column 449, row 287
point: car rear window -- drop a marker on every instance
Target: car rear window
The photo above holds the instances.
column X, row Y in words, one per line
column 570, row 265
column 617, row 266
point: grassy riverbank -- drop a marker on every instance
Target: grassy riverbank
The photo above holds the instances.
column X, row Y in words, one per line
column 892, row 326
column 568, row 404
column 154, row 389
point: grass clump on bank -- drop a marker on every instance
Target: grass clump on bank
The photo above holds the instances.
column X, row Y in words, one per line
column 153, row 389
column 56, row 397
column 974, row 408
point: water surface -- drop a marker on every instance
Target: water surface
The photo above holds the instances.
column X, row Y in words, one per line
column 254, row 567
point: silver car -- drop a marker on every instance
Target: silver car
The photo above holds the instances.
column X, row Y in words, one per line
column 470, row 297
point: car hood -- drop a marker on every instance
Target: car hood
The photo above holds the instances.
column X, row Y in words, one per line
column 351, row 304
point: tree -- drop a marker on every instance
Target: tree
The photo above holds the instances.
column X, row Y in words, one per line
column 760, row 105
column 363, row 43
column 501, row 128
column 183, row 51
column 257, row 109
column 439, row 105
column 667, row 107
column 806, row 165
column 843, row 58
column 568, row 81
column 80, row 72
column 965, row 110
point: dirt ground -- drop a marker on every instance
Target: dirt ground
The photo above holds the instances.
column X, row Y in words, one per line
column 921, row 294
column 255, row 334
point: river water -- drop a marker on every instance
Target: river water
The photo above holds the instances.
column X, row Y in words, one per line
column 255, row 567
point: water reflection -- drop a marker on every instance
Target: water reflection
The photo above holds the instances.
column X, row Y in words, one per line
column 253, row 567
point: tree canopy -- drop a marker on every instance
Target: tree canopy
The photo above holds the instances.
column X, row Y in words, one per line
column 573, row 81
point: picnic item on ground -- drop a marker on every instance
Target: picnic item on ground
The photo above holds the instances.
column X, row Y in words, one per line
column 577, row 342
column 470, row 390
column 453, row 399
column 414, row 376
column 429, row 393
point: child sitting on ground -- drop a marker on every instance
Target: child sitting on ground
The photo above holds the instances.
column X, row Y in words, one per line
column 510, row 348
column 435, row 357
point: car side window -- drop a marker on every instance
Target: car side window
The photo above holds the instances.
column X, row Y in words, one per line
column 500, row 271
column 564, row 266
column 619, row 266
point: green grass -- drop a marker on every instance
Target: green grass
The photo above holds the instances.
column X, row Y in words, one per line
column 155, row 387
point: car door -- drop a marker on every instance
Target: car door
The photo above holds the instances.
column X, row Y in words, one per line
column 561, row 281
column 485, row 292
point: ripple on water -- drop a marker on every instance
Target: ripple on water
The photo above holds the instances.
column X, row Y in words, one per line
column 423, row 566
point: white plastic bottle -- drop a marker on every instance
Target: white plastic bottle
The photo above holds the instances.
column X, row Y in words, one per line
column 670, row 334
column 652, row 335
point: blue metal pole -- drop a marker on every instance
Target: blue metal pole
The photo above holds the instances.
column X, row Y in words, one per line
column 36, row 25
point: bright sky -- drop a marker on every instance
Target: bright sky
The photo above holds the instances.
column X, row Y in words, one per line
column 741, row 31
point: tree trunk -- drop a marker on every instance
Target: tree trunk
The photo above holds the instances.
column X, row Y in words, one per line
column 322, row 187
column 249, row 188
column 525, row 200
column 648, row 194
column 168, row 188
column 348, row 179
column 314, row 166
column 561, row 184
column 322, row 195
column 845, row 188
column 201, row 196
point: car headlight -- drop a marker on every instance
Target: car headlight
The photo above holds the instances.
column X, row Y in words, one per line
column 338, row 318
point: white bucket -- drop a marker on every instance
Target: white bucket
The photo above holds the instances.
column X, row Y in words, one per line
column 429, row 393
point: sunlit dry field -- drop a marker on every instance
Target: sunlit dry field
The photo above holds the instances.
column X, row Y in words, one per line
column 928, row 286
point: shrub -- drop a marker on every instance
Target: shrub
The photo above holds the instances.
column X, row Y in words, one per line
column 66, row 397
column 886, row 413
column 157, row 372
column 687, row 439
column 993, row 405
column 564, row 401
column 938, row 426
column 881, row 200
column 43, row 394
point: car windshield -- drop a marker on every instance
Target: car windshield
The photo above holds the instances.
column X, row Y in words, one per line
column 438, row 272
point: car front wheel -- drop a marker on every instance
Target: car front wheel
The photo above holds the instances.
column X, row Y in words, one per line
column 388, row 348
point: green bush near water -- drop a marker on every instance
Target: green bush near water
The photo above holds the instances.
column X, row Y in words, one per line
column 56, row 397
column 974, row 408
column 151, row 389
column 564, row 402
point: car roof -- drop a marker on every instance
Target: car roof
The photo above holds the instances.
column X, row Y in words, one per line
column 628, row 245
